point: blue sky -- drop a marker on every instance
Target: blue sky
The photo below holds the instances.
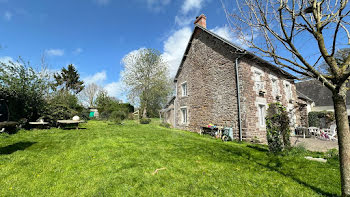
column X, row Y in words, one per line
column 95, row 35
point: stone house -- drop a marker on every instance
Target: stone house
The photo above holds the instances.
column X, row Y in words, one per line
column 220, row 83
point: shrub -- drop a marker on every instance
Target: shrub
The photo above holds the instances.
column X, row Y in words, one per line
column 332, row 154
column 61, row 105
column 316, row 117
column 164, row 124
column 277, row 126
column 145, row 120
column 23, row 89
column 117, row 116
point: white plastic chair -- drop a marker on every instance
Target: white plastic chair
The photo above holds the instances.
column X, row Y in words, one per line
column 331, row 132
column 314, row 131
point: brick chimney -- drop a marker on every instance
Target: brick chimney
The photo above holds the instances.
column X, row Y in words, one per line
column 201, row 20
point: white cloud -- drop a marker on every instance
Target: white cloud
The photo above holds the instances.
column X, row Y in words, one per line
column 55, row 52
column 189, row 10
column 8, row 15
column 174, row 48
column 224, row 32
column 102, row 2
column 116, row 89
column 77, row 51
column 190, row 5
column 227, row 33
column 97, row 78
column 6, row 59
column 157, row 5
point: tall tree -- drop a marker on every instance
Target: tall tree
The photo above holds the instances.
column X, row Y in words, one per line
column 290, row 33
column 146, row 78
column 69, row 80
column 89, row 94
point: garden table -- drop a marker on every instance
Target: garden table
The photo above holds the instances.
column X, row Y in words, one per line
column 74, row 123
column 39, row 124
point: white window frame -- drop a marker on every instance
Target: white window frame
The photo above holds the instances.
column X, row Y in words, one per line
column 184, row 116
column 288, row 90
column 184, row 89
column 274, row 84
column 262, row 114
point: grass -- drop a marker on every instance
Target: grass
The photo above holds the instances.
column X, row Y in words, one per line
column 122, row 160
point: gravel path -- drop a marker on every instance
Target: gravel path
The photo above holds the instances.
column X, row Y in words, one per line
column 314, row 144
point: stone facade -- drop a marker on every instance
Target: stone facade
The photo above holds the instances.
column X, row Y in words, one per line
column 208, row 74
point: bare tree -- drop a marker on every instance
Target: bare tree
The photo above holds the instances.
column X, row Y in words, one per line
column 298, row 35
column 89, row 94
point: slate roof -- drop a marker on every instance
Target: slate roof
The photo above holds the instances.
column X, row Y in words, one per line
column 316, row 91
column 236, row 48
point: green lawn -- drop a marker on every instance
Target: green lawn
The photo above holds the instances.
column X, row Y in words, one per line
column 121, row 160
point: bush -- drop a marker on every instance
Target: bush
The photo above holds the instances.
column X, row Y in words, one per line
column 110, row 108
column 315, row 118
column 23, row 89
column 145, row 120
column 277, row 126
column 164, row 124
column 62, row 106
column 117, row 116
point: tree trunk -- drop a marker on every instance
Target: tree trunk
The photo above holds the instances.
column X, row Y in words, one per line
column 144, row 114
column 342, row 122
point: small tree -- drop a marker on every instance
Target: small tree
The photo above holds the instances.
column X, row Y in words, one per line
column 89, row 94
column 277, row 126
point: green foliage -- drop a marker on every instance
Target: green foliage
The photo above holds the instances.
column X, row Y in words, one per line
column 332, row 154
column 23, row 89
column 68, row 80
column 117, row 116
column 164, row 124
column 111, row 109
column 145, row 120
column 277, row 126
column 62, row 105
column 315, row 118
column 147, row 79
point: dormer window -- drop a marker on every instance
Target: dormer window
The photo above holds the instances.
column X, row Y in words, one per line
column 184, row 89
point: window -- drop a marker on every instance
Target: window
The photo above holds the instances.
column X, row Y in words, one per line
column 184, row 89
column 258, row 81
column 184, row 115
column 261, row 115
column 288, row 91
column 274, row 87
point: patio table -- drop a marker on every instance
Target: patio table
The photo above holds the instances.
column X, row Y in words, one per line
column 74, row 123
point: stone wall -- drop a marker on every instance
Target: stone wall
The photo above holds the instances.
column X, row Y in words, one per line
column 209, row 72
column 251, row 98
column 211, row 85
